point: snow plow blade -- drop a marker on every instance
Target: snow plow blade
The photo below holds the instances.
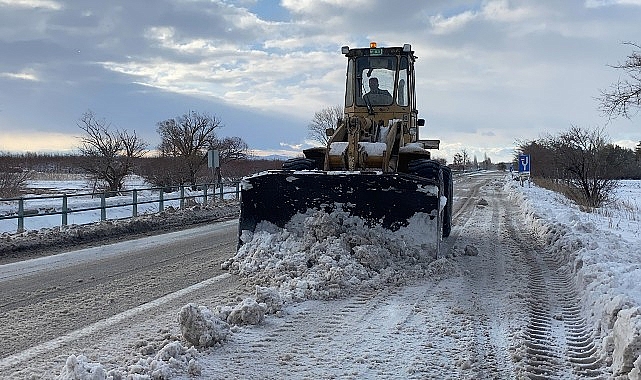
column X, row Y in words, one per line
column 386, row 199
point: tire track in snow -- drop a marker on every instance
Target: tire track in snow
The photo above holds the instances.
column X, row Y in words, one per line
column 491, row 285
column 493, row 363
column 407, row 332
column 558, row 343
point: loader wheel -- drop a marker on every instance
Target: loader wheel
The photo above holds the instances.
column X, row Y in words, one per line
column 448, row 192
column 299, row 164
column 434, row 170
column 424, row 168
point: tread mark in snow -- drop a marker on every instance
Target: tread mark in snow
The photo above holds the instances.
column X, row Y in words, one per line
column 559, row 344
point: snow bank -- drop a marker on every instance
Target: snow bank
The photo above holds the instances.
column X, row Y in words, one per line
column 323, row 256
column 627, row 345
column 604, row 259
column 270, row 299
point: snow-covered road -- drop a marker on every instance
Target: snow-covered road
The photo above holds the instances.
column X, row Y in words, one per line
column 501, row 303
column 494, row 310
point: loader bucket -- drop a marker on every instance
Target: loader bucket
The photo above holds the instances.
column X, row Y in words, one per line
column 386, row 199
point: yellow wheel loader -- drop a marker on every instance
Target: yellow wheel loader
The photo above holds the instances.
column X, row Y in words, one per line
column 374, row 166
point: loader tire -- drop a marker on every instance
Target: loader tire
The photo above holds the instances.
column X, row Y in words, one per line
column 299, row 164
column 448, row 192
column 434, row 170
column 424, row 168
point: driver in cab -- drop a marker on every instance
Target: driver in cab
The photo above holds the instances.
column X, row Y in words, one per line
column 377, row 96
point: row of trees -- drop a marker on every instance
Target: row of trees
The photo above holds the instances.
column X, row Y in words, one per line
column 582, row 163
column 110, row 154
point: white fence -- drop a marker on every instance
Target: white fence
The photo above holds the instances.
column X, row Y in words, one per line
column 36, row 212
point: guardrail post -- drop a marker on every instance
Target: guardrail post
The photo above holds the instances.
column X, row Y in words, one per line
column 205, row 186
column 237, row 190
column 161, row 201
column 64, row 209
column 20, row 215
column 182, row 197
column 103, row 207
column 134, row 203
column 221, row 191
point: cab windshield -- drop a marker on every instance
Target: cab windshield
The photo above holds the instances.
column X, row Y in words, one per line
column 371, row 79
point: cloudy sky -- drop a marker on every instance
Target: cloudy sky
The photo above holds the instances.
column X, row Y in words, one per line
column 490, row 73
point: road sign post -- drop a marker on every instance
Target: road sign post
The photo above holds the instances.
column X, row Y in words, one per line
column 524, row 168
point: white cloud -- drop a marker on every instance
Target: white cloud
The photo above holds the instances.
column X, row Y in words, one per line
column 28, row 75
column 444, row 25
column 606, row 3
column 275, row 152
column 317, row 7
column 499, row 10
column 494, row 10
column 515, row 68
column 33, row 4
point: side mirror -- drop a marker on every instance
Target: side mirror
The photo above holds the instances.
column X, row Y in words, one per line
column 420, row 122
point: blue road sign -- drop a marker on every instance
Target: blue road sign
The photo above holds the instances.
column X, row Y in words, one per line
column 524, row 163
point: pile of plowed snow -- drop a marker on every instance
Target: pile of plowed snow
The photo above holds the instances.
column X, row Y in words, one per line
column 322, row 256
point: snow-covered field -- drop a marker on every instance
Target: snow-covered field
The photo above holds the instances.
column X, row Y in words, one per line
column 320, row 259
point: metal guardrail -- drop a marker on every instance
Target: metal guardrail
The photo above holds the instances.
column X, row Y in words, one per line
column 68, row 204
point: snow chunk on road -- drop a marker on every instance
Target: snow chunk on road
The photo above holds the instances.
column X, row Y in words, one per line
column 269, row 298
column 627, row 348
column 200, row 327
column 248, row 312
column 78, row 368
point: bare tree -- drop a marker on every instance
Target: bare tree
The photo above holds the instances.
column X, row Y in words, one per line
column 584, row 159
column 12, row 180
column 187, row 138
column 458, row 162
column 487, row 162
column 326, row 118
column 231, row 149
column 624, row 97
column 109, row 154
column 465, row 158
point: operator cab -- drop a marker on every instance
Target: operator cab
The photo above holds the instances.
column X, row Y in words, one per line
column 379, row 77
